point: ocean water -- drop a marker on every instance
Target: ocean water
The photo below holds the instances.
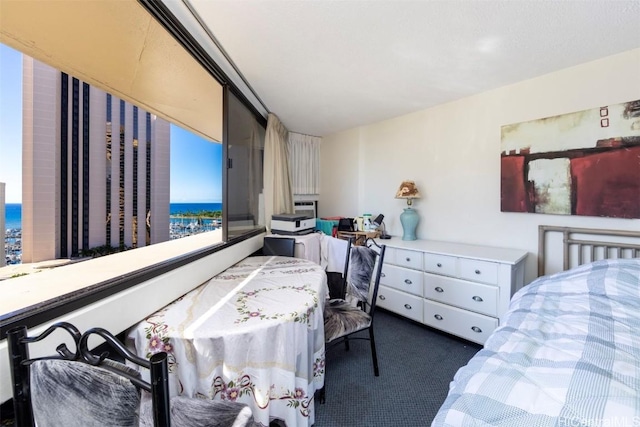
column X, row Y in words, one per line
column 175, row 208
column 13, row 215
column 13, row 211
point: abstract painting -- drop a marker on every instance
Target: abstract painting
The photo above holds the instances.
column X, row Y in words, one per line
column 582, row 163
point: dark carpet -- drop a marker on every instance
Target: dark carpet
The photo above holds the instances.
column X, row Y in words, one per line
column 416, row 364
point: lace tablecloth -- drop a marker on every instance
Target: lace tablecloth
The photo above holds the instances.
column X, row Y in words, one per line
column 254, row 334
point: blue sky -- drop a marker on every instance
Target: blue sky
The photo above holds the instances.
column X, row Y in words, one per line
column 196, row 164
column 11, row 123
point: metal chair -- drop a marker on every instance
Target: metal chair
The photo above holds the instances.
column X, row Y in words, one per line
column 342, row 319
column 75, row 369
column 85, row 389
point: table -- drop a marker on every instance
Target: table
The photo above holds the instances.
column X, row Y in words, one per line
column 254, row 334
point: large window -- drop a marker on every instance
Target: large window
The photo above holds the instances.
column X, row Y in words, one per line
column 245, row 149
column 98, row 169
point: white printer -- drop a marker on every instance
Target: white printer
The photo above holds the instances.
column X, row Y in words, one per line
column 292, row 224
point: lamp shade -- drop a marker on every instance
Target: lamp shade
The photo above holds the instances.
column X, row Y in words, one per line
column 408, row 190
column 378, row 221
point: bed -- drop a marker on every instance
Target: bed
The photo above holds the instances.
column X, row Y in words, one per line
column 567, row 352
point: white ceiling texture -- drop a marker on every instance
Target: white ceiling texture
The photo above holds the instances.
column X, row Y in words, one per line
column 326, row 66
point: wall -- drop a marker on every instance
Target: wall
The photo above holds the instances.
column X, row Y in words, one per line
column 452, row 151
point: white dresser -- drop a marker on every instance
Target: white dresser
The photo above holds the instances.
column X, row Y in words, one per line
column 458, row 288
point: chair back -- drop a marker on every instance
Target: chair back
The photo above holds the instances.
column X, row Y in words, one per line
column 365, row 269
column 48, row 391
column 376, row 279
column 283, row 246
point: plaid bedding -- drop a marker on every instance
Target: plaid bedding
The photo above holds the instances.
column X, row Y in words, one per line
column 567, row 353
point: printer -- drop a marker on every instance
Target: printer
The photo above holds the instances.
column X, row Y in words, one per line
column 292, row 224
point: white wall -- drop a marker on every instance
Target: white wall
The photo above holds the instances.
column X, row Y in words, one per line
column 452, row 151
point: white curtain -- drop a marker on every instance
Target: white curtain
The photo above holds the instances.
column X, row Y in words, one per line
column 304, row 163
column 278, row 197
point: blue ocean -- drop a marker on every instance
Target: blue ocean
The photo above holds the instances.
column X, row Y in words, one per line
column 175, row 208
column 13, row 215
column 13, row 211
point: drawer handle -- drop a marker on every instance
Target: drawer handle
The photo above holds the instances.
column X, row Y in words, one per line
column 407, row 306
column 382, row 297
column 407, row 281
column 383, row 275
column 438, row 317
column 477, row 271
column 439, row 264
column 408, row 259
column 476, row 329
column 477, row 298
column 439, row 289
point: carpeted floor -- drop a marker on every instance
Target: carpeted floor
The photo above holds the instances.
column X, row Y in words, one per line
column 416, row 364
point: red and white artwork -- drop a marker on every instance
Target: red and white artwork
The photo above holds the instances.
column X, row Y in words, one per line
column 583, row 163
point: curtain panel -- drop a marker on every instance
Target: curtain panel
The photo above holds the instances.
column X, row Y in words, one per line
column 304, row 163
column 278, row 197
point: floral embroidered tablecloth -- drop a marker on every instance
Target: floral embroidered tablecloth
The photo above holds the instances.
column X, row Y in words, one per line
column 254, row 334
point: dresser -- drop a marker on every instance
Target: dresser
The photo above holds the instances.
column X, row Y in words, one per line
column 457, row 288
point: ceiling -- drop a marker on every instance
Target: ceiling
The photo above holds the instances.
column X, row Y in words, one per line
column 328, row 66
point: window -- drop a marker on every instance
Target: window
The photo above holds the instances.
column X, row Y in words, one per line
column 134, row 68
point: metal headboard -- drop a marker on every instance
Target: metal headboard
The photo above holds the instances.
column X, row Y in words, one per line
column 588, row 248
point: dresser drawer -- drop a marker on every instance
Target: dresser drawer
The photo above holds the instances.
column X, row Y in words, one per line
column 409, row 259
column 403, row 279
column 468, row 295
column 441, row 264
column 478, row 271
column 471, row 326
column 409, row 306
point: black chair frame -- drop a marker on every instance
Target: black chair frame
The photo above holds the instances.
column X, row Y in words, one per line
column 321, row 393
column 18, row 344
column 378, row 272
column 343, row 292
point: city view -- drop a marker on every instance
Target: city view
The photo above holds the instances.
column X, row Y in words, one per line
column 194, row 171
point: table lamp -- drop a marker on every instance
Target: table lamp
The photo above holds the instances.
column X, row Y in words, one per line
column 409, row 218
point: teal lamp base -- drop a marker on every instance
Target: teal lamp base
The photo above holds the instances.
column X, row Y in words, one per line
column 409, row 220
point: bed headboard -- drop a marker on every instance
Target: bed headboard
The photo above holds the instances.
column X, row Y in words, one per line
column 583, row 245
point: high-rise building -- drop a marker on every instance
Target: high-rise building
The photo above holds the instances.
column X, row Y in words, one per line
column 95, row 168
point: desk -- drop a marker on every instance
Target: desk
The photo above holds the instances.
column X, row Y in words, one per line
column 254, row 334
column 359, row 237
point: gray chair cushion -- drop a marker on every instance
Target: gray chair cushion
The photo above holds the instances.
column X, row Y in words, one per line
column 341, row 318
column 192, row 412
column 70, row 394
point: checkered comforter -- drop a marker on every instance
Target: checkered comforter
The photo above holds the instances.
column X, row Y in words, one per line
column 567, row 353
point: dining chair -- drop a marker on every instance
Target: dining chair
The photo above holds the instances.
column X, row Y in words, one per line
column 337, row 281
column 344, row 318
column 85, row 389
column 283, row 246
